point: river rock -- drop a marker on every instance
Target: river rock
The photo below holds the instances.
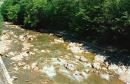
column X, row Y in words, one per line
column 82, row 59
column 26, row 67
column 58, row 40
column 85, row 75
column 113, row 67
column 78, row 76
column 96, row 65
column 69, row 66
column 49, row 71
column 99, row 58
column 17, row 58
column 34, row 66
column 105, row 76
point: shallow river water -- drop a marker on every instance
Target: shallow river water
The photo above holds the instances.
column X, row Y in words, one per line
column 43, row 58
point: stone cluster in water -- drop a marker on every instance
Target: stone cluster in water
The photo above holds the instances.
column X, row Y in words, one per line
column 77, row 67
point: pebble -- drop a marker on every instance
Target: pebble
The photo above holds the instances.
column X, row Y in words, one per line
column 96, row 65
column 34, row 66
column 105, row 76
column 14, row 78
column 69, row 66
column 26, row 67
column 21, row 63
column 113, row 67
column 49, row 70
column 84, row 74
column 78, row 76
column 43, row 51
column 99, row 58
column 82, row 59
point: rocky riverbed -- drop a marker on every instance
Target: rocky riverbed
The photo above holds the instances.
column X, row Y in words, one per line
column 43, row 58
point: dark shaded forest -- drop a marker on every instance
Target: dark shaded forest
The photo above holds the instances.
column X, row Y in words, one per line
column 102, row 21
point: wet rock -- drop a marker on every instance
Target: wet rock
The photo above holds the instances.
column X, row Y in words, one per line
column 66, row 72
column 96, row 65
column 26, row 67
column 21, row 63
column 14, row 78
column 5, row 36
column 34, row 66
column 26, row 46
column 87, row 65
column 77, row 57
column 105, row 76
column 121, row 70
column 69, row 66
column 85, row 75
column 31, row 53
column 126, row 76
column 35, row 49
column 113, row 67
column 47, row 51
column 22, row 37
column 82, row 59
column 16, row 68
column 49, row 71
column 51, row 34
column 5, row 45
column 104, row 68
column 87, row 70
column 17, row 58
column 11, row 53
column 43, row 51
column 58, row 40
column 75, row 48
column 99, row 58
column 78, row 76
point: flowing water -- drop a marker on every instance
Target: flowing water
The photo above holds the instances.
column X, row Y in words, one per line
column 43, row 58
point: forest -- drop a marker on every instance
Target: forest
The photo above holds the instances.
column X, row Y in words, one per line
column 104, row 21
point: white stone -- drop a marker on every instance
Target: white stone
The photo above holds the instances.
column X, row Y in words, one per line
column 84, row 74
column 43, row 51
column 17, row 58
column 77, row 76
column 59, row 40
column 11, row 53
column 99, row 58
column 86, row 65
column 70, row 66
column 34, row 65
column 21, row 63
column 113, row 67
column 83, row 59
column 16, row 68
column 49, row 71
column 26, row 67
column 105, row 76
column 96, row 65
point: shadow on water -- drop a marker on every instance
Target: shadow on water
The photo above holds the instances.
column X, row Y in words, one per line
column 114, row 55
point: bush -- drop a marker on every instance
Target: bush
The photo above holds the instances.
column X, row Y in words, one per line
column 105, row 20
column 10, row 10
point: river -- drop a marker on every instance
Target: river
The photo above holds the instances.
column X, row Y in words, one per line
column 42, row 58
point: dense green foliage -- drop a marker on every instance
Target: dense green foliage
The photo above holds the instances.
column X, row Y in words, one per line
column 106, row 20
